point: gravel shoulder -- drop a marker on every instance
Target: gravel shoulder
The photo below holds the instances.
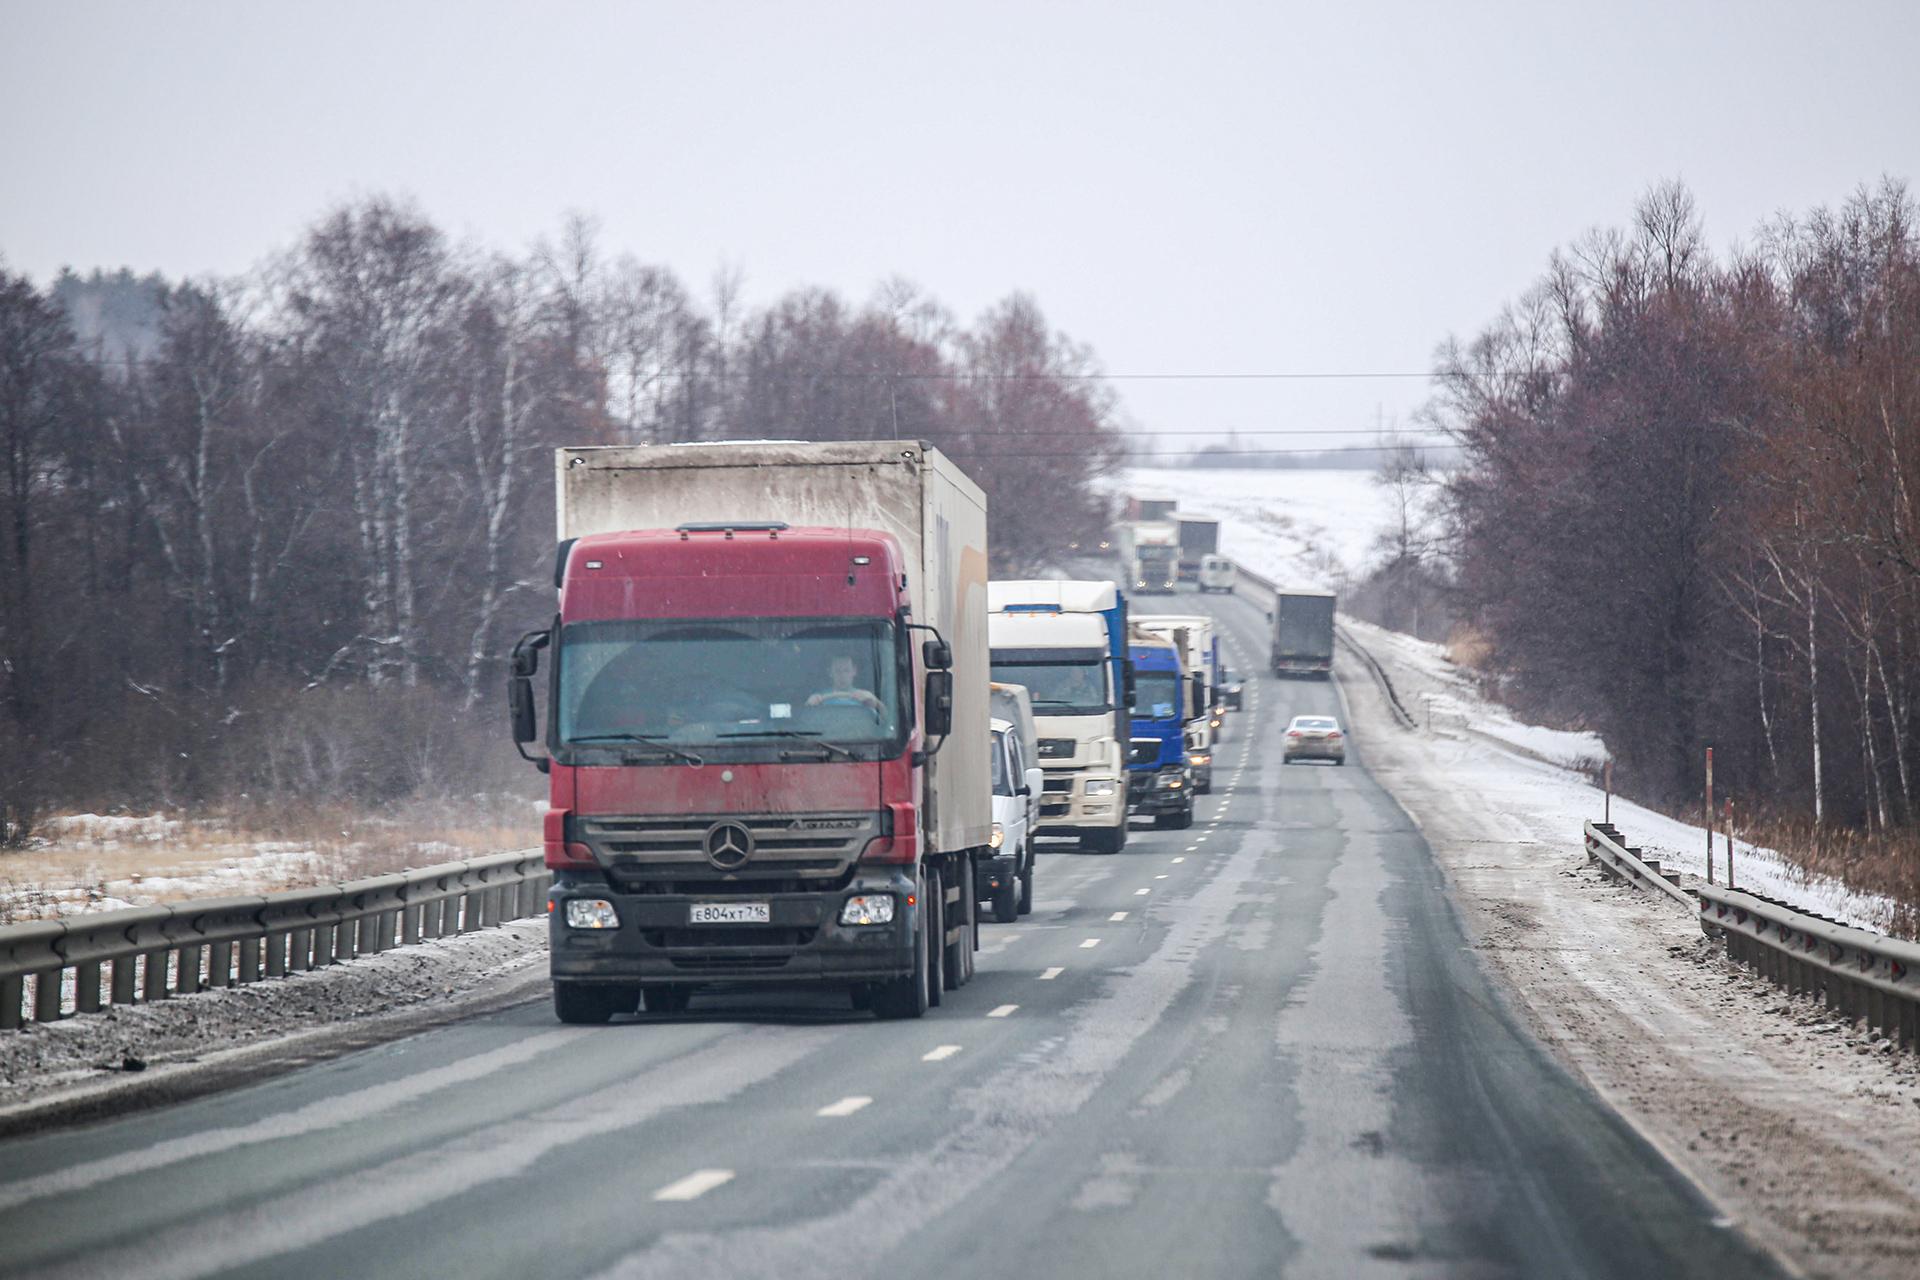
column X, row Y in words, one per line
column 124, row 1058
column 1802, row 1128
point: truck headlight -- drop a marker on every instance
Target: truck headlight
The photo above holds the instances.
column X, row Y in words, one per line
column 998, row 838
column 1100, row 787
column 868, row 908
column 1200, row 758
column 591, row 913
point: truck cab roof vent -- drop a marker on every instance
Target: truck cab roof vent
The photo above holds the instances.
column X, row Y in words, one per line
column 771, row 528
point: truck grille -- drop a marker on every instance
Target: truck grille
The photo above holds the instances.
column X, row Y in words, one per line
column 1056, row 748
column 704, row 938
column 789, row 848
column 1058, row 786
column 1144, row 751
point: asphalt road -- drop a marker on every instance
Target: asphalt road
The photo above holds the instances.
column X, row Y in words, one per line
column 1259, row 1047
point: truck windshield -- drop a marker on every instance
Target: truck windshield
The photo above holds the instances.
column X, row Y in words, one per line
column 739, row 688
column 1059, row 688
column 1153, row 694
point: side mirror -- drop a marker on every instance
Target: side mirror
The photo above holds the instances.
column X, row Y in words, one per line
column 1036, row 782
column 520, row 702
column 937, row 655
column 1199, row 695
column 526, row 653
column 939, row 718
column 1129, row 691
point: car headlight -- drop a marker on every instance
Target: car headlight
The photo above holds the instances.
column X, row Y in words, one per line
column 998, row 838
column 1100, row 787
column 591, row 913
column 868, row 908
column 1168, row 781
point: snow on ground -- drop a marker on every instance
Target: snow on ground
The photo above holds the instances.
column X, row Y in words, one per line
column 1297, row 528
column 1534, row 778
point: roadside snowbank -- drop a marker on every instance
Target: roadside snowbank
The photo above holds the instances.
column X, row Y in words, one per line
column 1530, row 775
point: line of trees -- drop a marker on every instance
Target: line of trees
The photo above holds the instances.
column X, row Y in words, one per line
column 1690, row 513
column 273, row 540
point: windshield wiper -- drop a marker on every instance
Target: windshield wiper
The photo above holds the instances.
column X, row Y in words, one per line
column 649, row 740
column 804, row 736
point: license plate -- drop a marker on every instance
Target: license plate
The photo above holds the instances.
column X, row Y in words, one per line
column 730, row 913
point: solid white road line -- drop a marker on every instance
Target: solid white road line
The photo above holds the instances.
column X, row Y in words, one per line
column 1052, row 973
column 941, row 1053
column 1002, row 1011
column 844, row 1107
column 1090, row 942
column 1116, row 917
column 694, row 1185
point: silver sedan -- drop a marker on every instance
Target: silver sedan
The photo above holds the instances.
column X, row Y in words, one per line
column 1315, row 738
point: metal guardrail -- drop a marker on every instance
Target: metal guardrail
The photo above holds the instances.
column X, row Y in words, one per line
column 1401, row 716
column 149, row 953
column 1857, row 972
column 1607, row 848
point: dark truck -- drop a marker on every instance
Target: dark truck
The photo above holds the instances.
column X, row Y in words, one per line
column 1302, row 633
column 1198, row 540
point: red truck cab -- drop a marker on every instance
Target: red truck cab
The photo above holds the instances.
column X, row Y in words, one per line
column 735, row 743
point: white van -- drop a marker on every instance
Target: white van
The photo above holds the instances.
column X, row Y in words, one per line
column 1005, row 877
column 1217, row 573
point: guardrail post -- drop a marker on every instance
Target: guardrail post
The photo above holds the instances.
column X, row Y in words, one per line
column 410, row 919
column 249, row 959
column 220, row 965
column 46, row 995
column 153, row 977
column 186, row 978
column 276, row 956
column 384, row 935
column 11, row 990
column 120, row 985
column 346, row 939
column 86, row 987
column 1909, row 1024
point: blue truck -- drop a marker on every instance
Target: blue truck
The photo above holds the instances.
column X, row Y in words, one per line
column 1159, row 781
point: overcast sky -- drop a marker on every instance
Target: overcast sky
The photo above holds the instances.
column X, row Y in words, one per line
column 1191, row 188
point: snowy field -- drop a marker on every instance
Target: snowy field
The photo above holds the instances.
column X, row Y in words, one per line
column 1297, row 528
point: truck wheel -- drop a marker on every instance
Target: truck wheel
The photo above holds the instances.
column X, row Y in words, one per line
column 576, row 1002
column 936, row 901
column 957, row 964
column 1185, row 819
column 1006, row 902
column 665, row 999
column 1106, row 841
column 906, row 997
column 1026, row 884
column 1204, row 789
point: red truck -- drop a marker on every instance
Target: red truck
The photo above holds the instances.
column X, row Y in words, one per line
column 766, row 732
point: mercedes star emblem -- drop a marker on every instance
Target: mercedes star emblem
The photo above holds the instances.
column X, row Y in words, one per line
column 729, row 845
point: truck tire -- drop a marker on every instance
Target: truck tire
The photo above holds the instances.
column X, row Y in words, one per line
column 582, row 1004
column 1185, row 819
column 1006, row 902
column 957, row 965
column 1204, row 788
column 1105, row 841
column 1026, row 882
column 908, row 997
column 665, row 999
column 936, row 900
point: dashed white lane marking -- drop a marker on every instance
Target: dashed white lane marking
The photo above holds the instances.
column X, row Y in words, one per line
column 940, row 1054
column 1181, row 858
column 1090, row 942
column 1201, row 840
column 1002, row 1011
column 1116, row 917
column 844, row 1107
column 694, row 1185
column 1161, row 876
column 1052, row 973
column 1141, row 893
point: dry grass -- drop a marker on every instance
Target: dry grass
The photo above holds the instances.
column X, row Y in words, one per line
column 1882, row 862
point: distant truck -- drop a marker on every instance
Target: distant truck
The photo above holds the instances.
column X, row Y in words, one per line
column 1150, row 554
column 1151, row 508
column 1066, row 641
column 1217, row 573
column 1199, row 647
column 1303, row 633
column 767, row 733
column 1198, row 539
column 1159, row 779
